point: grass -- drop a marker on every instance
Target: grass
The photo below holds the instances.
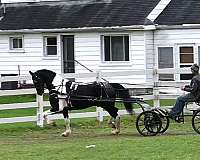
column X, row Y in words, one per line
column 26, row 141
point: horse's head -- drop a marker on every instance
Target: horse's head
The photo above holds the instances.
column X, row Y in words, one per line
column 38, row 83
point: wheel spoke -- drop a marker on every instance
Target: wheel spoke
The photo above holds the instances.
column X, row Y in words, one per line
column 141, row 122
column 143, row 129
column 197, row 122
column 198, row 128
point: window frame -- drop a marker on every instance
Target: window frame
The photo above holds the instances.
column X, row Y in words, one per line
column 11, row 43
column 185, row 64
column 103, row 58
column 45, row 46
column 174, row 59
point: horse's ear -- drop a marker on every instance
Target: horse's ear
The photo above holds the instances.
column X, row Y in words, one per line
column 31, row 73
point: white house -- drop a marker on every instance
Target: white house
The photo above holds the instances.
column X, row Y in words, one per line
column 106, row 35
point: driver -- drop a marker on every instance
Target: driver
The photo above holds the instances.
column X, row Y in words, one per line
column 192, row 96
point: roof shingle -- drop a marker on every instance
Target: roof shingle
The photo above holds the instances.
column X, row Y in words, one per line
column 76, row 14
column 180, row 12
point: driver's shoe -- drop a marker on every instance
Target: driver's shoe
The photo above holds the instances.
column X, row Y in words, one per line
column 179, row 119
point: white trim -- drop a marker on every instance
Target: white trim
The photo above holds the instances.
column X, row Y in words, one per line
column 158, row 9
column 53, row 30
column 15, row 50
column 173, row 55
column 45, row 47
column 178, row 56
column 103, row 52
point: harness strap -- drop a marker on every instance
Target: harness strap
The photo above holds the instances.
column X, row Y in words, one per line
column 103, row 87
column 68, row 98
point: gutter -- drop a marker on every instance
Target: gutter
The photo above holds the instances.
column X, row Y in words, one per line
column 83, row 29
column 181, row 26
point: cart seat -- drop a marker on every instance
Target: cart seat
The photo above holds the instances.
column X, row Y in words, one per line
column 198, row 101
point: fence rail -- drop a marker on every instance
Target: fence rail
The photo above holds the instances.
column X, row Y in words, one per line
column 39, row 104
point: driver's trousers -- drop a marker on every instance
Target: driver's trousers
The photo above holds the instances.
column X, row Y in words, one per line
column 180, row 103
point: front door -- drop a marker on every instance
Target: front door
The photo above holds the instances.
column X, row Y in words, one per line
column 68, row 54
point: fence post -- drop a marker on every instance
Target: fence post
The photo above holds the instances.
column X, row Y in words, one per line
column 99, row 110
column 39, row 110
column 156, row 101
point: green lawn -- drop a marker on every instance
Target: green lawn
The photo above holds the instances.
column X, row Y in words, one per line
column 26, row 141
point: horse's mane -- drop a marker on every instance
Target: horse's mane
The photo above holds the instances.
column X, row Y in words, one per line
column 46, row 75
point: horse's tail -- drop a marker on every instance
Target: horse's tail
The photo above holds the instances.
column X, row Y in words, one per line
column 123, row 93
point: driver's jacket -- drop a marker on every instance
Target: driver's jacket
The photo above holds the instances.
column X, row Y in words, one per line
column 194, row 87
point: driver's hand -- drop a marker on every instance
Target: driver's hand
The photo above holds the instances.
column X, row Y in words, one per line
column 182, row 88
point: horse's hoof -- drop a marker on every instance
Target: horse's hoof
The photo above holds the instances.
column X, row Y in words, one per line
column 115, row 132
column 53, row 124
column 65, row 134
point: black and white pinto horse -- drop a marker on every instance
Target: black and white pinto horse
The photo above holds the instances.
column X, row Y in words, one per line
column 65, row 95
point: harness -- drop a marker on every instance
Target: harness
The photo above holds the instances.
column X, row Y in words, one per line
column 103, row 87
column 104, row 92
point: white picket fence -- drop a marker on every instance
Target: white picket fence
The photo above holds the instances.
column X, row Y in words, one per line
column 39, row 104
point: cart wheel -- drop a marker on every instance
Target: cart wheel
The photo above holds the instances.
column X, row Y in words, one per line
column 148, row 123
column 164, row 119
column 196, row 122
column 165, row 124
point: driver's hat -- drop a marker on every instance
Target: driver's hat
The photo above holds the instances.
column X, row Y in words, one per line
column 195, row 67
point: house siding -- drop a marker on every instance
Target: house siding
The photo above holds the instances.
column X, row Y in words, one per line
column 88, row 52
column 31, row 59
column 150, row 57
column 175, row 38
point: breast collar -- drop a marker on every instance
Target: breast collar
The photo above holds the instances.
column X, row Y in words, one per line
column 74, row 86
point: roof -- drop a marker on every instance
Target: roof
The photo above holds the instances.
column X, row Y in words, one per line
column 75, row 14
column 180, row 12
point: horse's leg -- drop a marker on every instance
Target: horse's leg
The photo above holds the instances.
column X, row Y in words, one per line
column 110, row 121
column 117, row 124
column 46, row 118
column 67, row 123
column 114, row 121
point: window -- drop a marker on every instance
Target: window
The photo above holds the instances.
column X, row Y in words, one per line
column 165, row 60
column 50, row 46
column 198, row 55
column 186, row 60
column 116, row 48
column 16, row 43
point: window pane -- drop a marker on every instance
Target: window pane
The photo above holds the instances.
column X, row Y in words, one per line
column 117, row 48
column 20, row 43
column 15, row 43
column 51, row 50
column 51, row 41
column 107, row 48
column 181, row 66
column 186, row 58
column 165, row 60
column 165, row 57
column 126, row 43
column 186, row 76
column 199, row 55
column 166, row 77
column 186, row 49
